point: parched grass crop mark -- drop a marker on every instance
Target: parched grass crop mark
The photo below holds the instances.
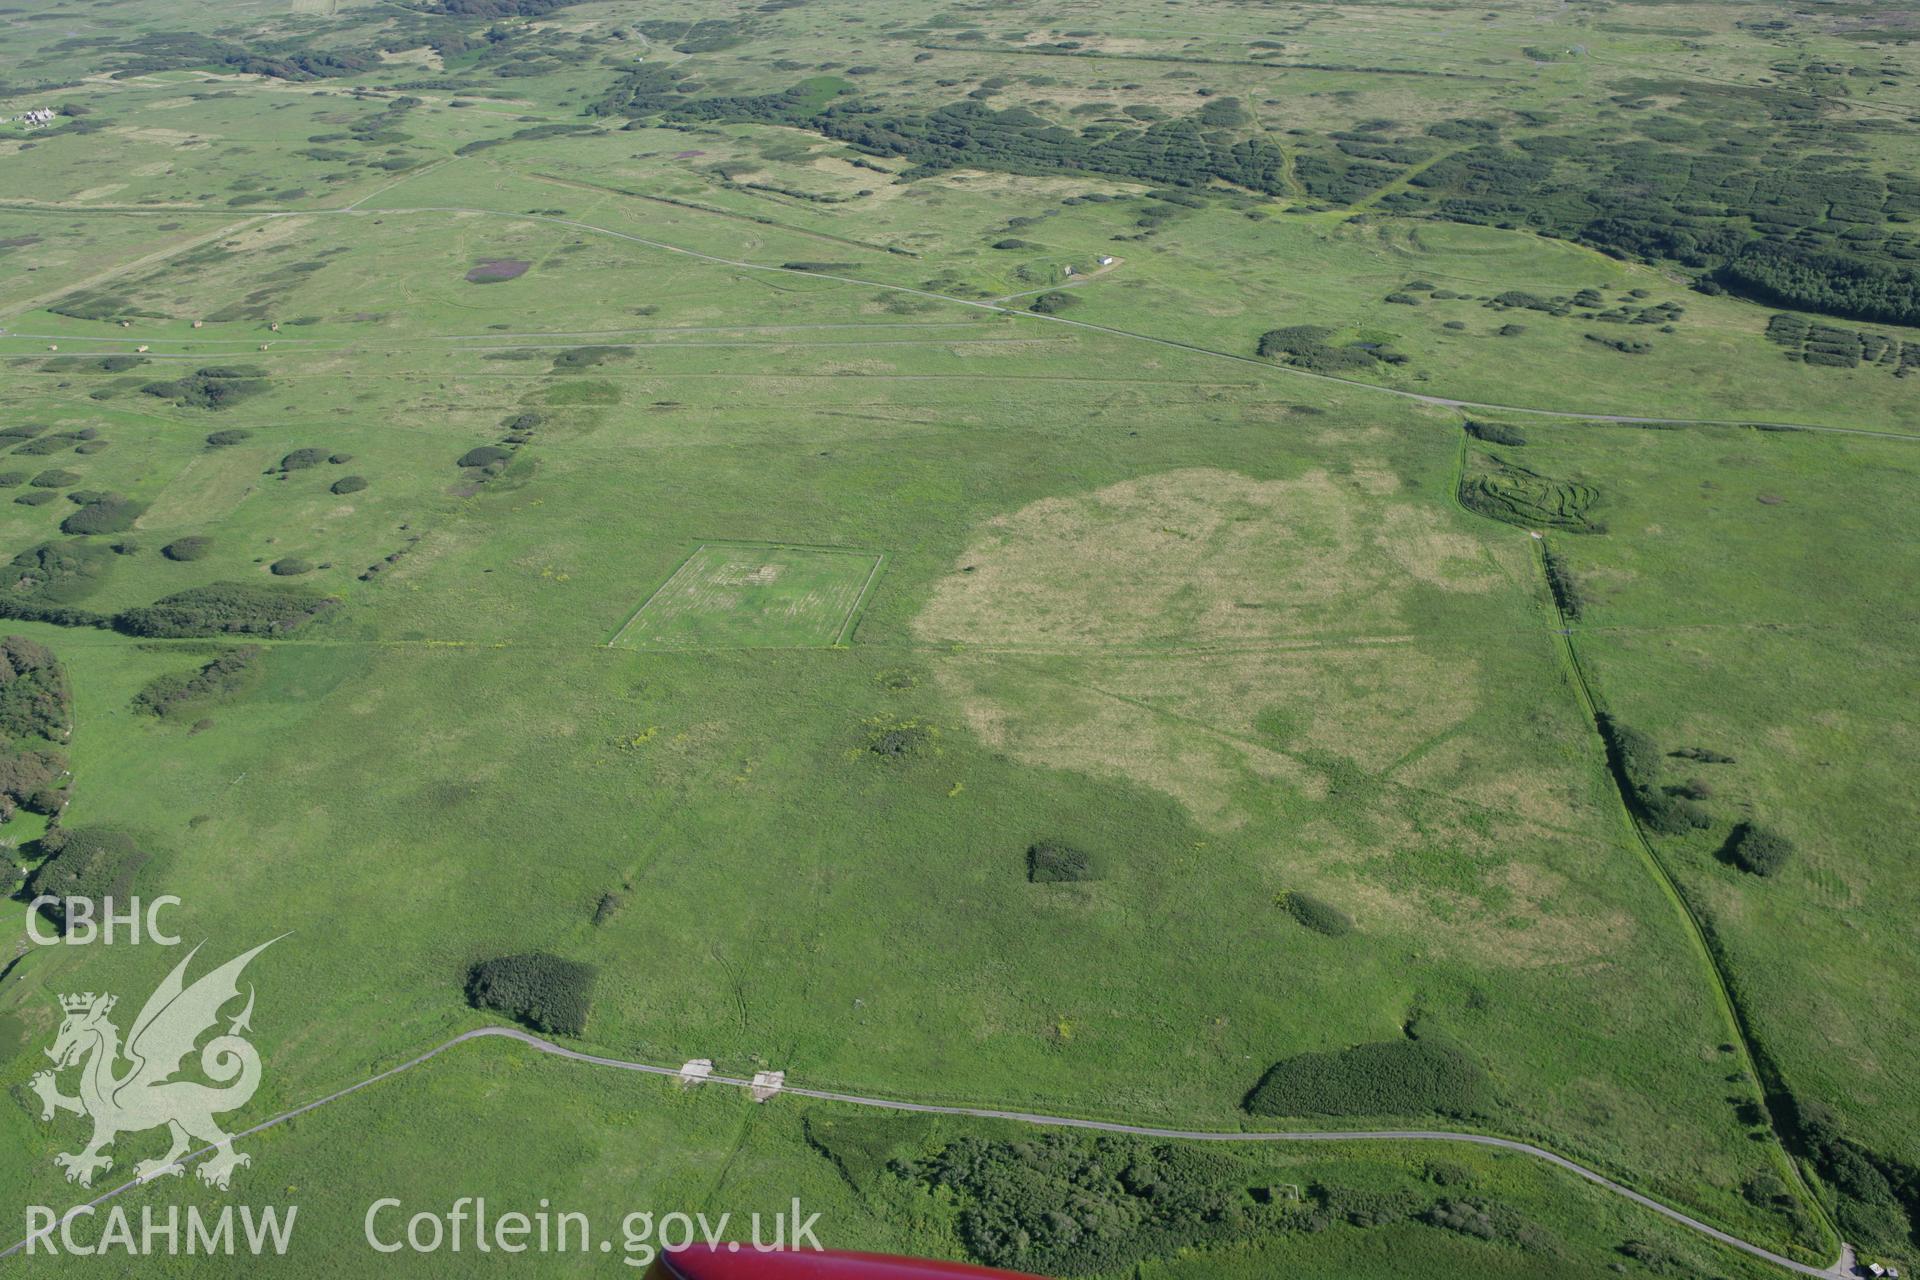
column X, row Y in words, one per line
column 631, row 617
column 699, row 570
column 137, row 264
column 711, row 211
column 845, row 635
column 1229, row 737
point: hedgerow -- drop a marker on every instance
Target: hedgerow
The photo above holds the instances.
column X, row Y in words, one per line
column 46, row 445
column 586, row 357
column 218, row 388
column 224, row 608
column 91, row 862
column 301, row 459
column 1704, row 755
column 227, row 675
column 1635, row 760
column 188, row 548
column 1564, row 586
column 485, row 455
column 1317, row 915
column 1305, row 346
column 543, row 991
column 1878, row 1195
column 1066, row 1206
column 1391, row 1077
column 57, row 572
column 1496, row 433
column 111, row 514
column 35, row 700
column 1757, row 849
column 1051, row 862
column 36, row 717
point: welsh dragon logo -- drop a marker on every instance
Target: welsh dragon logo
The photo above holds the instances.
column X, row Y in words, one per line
column 145, row 1095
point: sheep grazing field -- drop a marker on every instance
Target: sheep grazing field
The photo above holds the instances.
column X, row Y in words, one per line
column 1284, row 570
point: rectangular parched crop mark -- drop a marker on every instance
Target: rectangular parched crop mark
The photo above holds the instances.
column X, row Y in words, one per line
column 755, row 595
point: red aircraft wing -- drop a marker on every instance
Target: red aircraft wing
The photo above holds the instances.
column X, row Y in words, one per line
column 744, row 1262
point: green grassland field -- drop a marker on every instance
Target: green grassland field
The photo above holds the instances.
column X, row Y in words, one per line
column 740, row 520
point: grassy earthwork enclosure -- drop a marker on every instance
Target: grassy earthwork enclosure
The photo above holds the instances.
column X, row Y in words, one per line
column 1311, row 567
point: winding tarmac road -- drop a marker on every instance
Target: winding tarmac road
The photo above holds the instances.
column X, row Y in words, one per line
column 1841, row 1269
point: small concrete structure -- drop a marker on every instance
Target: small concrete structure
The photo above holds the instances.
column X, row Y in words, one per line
column 767, row 1083
column 140, row 350
column 1106, row 259
column 1066, row 271
column 695, row 1071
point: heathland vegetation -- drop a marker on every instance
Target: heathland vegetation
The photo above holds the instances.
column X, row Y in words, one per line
column 798, row 536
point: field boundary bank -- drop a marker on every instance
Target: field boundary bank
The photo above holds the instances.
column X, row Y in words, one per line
column 1839, row 1268
column 1699, row 930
